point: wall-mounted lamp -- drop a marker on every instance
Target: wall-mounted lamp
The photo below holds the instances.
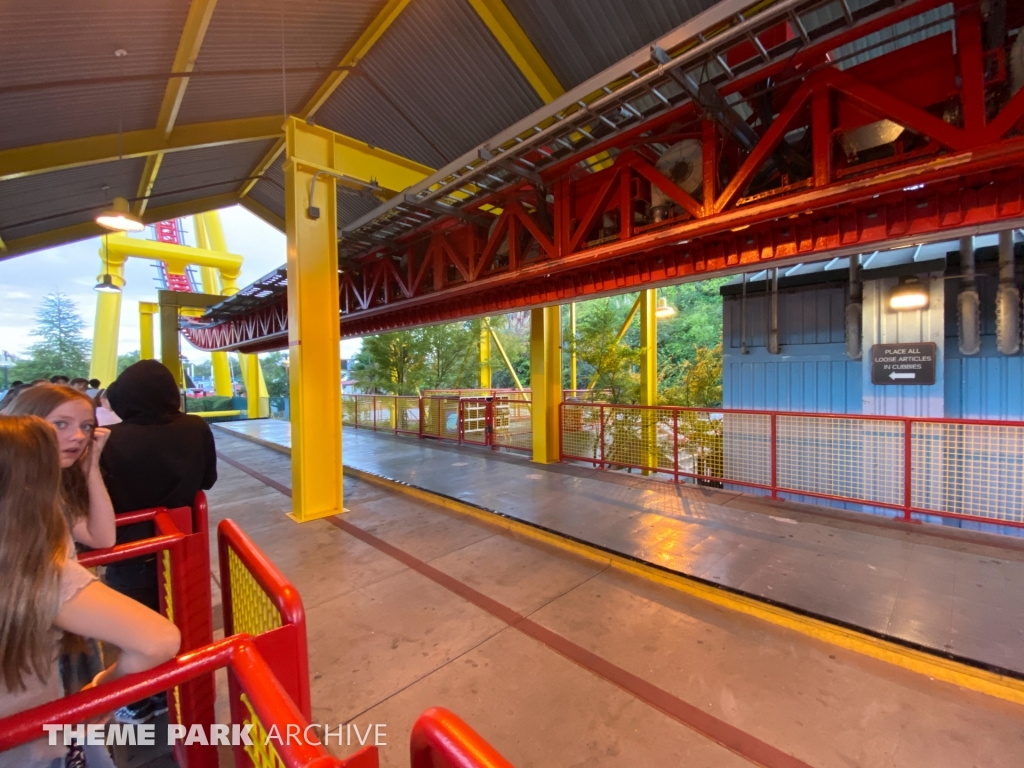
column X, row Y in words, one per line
column 663, row 310
column 119, row 218
column 910, row 293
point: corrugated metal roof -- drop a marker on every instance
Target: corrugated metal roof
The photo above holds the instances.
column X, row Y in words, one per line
column 48, row 41
column 204, row 172
column 269, row 191
column 49, row 201
column 579, row 38
column 352, row 205
column 250, row 34
column 913, row 30
column 453, row 81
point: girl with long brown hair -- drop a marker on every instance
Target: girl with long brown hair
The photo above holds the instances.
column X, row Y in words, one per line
column 84, row 498
column 45, row 591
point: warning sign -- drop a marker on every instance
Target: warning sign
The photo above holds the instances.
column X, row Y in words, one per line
column 903, row 363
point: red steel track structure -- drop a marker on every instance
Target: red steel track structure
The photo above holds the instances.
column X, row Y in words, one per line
column 570, row 233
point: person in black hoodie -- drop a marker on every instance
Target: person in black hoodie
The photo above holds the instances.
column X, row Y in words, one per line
column 156, row 456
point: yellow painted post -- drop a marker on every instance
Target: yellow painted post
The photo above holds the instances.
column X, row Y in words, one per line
column 206, row 224
column 147, row 350
column 485, row 354
column 252, row 363
column 313, row 329
column 572, row 347
column 545, row 382
column 649, row 374
column 103, row 362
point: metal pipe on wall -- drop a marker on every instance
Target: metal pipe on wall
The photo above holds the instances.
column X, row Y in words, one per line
column 1008, row 308
column 743, row 318
column 773, row 326
column 855, row 311
column 967, row 301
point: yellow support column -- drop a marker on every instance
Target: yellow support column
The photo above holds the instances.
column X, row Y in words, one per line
column 211, row 284
column 485, row 354
column 648, row 301
column 313, row 329
column 572, row 348
column 545, row 382
column 103, row 362
column 147, row 350
column 252, row 363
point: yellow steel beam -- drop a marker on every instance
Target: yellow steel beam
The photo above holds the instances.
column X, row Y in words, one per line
column 147, row 350
column 176, row 257
column 572, row 347
column 504, row 356
column 370, row 35
column 485, row 354
column 313, row 331
column 73, row 153
column 506, row 30
column 648, row 301
column 262, row 212
column 356, row 164
column 196, row 23
column 88, row 229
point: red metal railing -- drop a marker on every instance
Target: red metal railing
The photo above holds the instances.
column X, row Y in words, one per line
column 258, row 600
column 499, row 421
column 249, row 673
column 183, row 559
column 441, row 739
column 957, row 468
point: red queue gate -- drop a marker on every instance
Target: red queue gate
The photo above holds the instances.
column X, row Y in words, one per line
column 265, row 653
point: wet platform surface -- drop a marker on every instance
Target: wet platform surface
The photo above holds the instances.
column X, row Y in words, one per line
column 563, row 661
column 954, row 593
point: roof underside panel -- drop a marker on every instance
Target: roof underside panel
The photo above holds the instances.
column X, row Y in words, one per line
column 47, row 42
column 257, row 35
column 204, row 172
column 455, row 85
column 579, row 38
column 48, row 201
column 269, row 191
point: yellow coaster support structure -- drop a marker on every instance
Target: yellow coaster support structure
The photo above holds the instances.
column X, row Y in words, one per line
column 572, row 348
column 211, row 284
column 114, row 252
column 147, row 350
column 314, row 334
column 545, row 381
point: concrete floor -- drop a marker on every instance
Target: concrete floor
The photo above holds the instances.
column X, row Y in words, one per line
column 579, row 665
column 948, row 591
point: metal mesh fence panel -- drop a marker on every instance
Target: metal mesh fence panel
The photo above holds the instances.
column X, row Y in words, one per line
column 968, row 469
column 407, row 408
column 513, row 423
column 841, row 457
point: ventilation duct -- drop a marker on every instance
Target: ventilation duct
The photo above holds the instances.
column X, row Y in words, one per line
column 682, row 165
column 1007, row 299
column 968, row 305
column 854, row 311
column 743, row 318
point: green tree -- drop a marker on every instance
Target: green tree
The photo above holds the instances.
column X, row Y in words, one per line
column 275, row 374
column 391, row 363
column 123, row 361
column 513, row 331
column 697, row 383
column 610, row 365
column 451, row 355
column 62, row 348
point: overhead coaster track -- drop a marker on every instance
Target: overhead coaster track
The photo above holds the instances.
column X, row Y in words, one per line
column 749, row 135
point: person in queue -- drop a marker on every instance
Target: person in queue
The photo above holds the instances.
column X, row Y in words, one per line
column 46, row 592
column 59, row 379
column 105, row 415
column 84, row 498
column 82, row 385
column 156, row 456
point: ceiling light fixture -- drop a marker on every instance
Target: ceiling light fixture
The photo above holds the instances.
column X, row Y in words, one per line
column 106, row 283
column 664, row 311
column 910, row 293
column 120, row 218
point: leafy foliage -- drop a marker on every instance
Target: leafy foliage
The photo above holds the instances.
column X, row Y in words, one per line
column 62, row 348
column 275, row 374
column 610, row 365
column 207, row 404
column 123, row 361
column 697, row 383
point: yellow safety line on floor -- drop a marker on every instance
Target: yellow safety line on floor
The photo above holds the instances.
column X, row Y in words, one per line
column 921, row 662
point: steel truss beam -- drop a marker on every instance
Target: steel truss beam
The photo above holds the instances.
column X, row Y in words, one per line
column 593, row 235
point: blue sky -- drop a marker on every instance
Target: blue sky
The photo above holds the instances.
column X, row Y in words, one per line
column 73, row 269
